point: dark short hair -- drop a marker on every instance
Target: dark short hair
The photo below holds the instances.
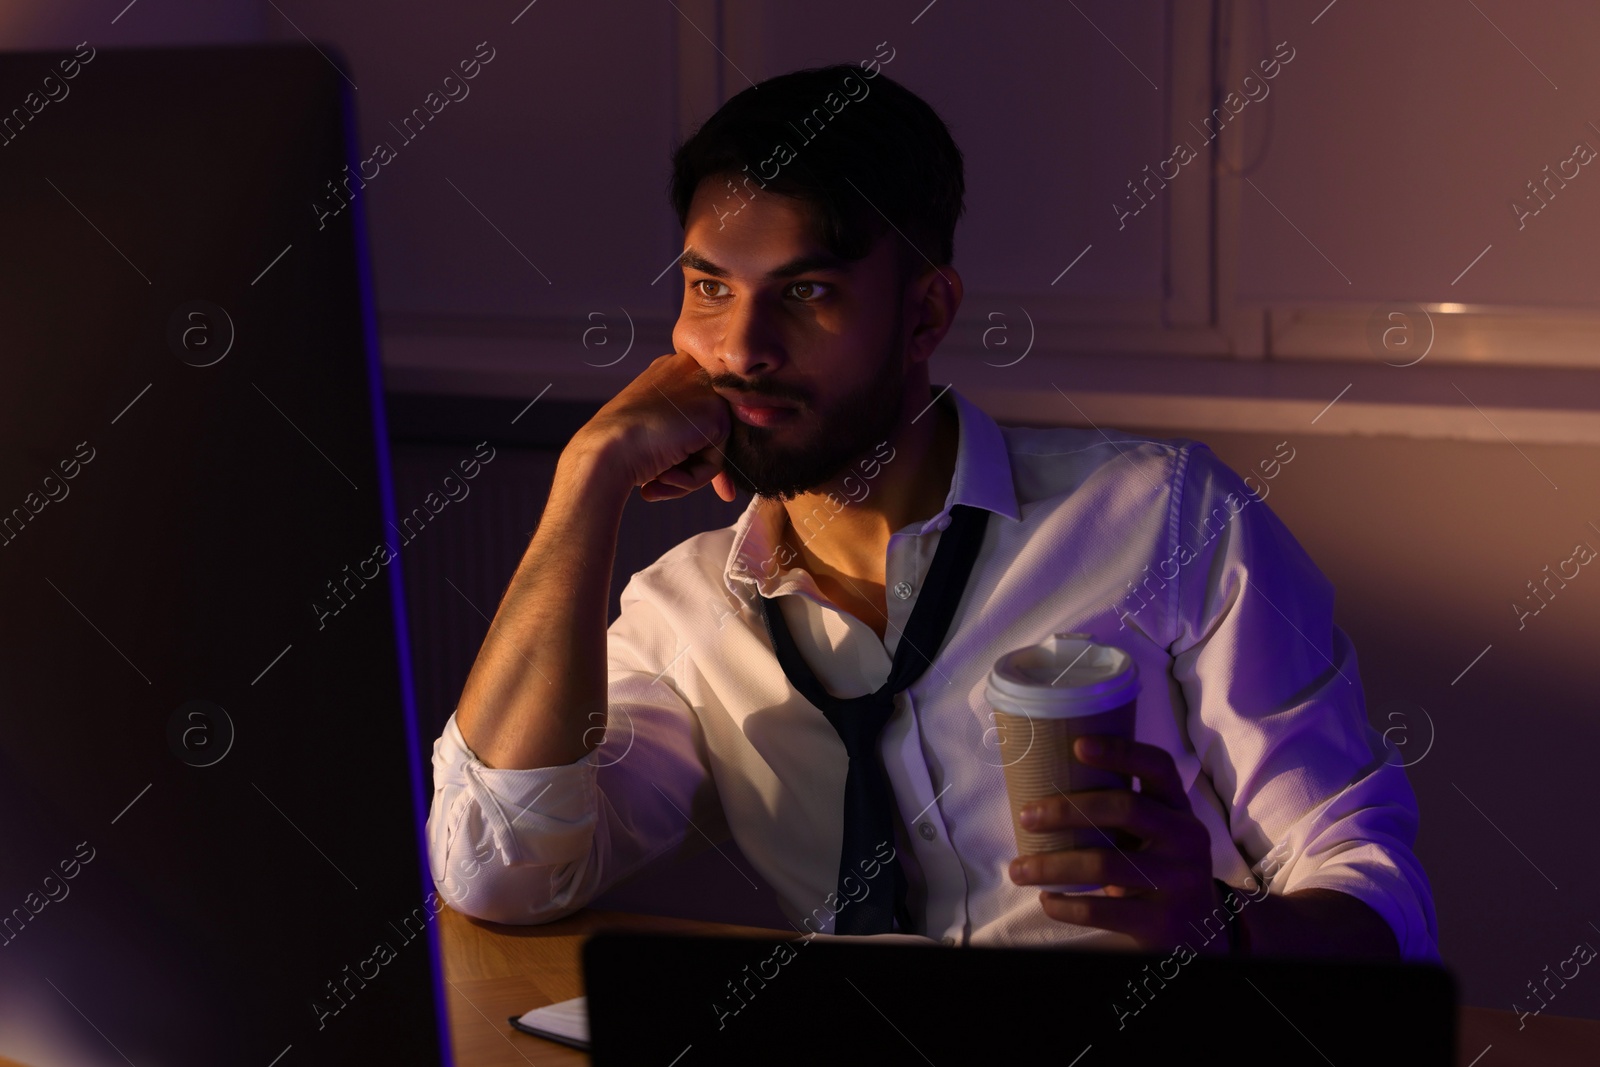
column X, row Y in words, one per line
column 843, row 125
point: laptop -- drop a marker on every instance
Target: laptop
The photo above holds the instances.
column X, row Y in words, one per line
column 688, row 1001
column 211, row 802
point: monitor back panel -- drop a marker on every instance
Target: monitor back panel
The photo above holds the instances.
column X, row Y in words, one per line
column 209, row 781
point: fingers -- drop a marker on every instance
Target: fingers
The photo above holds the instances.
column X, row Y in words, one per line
column 653, row 491
column 1104, row 809
column 1143, row 875
column 1151, row 891
column 685, row 477
column 1126, row 914
column 704, row 465
column 1151, row 764
column 1150, row 919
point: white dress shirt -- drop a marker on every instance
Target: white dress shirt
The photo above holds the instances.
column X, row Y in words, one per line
column 1153, row 545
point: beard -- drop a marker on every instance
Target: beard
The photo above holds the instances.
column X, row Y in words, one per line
column 758, row 464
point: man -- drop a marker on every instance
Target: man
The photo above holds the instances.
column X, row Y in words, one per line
column 817, row 283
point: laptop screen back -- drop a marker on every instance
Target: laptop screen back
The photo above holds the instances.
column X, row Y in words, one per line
column 656, row 998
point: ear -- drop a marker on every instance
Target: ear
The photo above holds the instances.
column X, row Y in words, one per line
column 937, row 292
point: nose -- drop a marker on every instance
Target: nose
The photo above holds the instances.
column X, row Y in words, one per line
column 751, row 345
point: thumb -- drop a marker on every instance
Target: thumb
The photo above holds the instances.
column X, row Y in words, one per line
column 724, row 486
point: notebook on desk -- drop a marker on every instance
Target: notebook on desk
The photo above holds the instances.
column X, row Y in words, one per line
column 655, row 998
column 210, row 783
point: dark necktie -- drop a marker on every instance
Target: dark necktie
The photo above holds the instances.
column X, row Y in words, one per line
column 869, row 810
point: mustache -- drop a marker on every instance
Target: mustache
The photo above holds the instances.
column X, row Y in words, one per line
column 769, row 390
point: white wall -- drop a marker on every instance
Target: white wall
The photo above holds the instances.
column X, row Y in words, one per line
column 1401, row 135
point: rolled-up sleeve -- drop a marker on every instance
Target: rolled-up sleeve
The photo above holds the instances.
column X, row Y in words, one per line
column 1276, row 711
column 534, row 845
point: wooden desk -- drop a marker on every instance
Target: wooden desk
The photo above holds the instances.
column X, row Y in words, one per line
column 498, row 971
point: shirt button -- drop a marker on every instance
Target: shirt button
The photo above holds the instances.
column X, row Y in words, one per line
column 903, row 590
column 947, row 941
column 927, row 831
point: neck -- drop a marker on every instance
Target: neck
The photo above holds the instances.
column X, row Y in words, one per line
column 842, row 529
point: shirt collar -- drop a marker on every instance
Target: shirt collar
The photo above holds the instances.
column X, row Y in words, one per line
column 982, row 479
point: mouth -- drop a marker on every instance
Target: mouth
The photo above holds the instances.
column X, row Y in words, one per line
column 760, row 411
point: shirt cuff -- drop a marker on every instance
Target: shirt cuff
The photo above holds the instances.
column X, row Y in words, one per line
column 1367, row 873
column 542, row 816
column 1358, row 842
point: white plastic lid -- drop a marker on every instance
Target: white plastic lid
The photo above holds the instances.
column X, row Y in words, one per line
column 1064, row 676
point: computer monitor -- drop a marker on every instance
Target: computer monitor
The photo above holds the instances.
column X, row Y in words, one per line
column 211, row 807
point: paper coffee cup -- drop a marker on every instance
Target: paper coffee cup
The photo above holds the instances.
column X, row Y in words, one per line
column 1045, row 697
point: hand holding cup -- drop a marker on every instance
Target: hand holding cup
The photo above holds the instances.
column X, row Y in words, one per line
column 1157, row 878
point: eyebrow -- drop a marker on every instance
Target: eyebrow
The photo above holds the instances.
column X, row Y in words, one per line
column 806, row 264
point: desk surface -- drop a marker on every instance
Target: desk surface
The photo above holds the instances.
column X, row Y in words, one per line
column 498, row 971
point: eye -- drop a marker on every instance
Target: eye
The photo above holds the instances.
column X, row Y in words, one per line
column 814, row 288
column 699, row 291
